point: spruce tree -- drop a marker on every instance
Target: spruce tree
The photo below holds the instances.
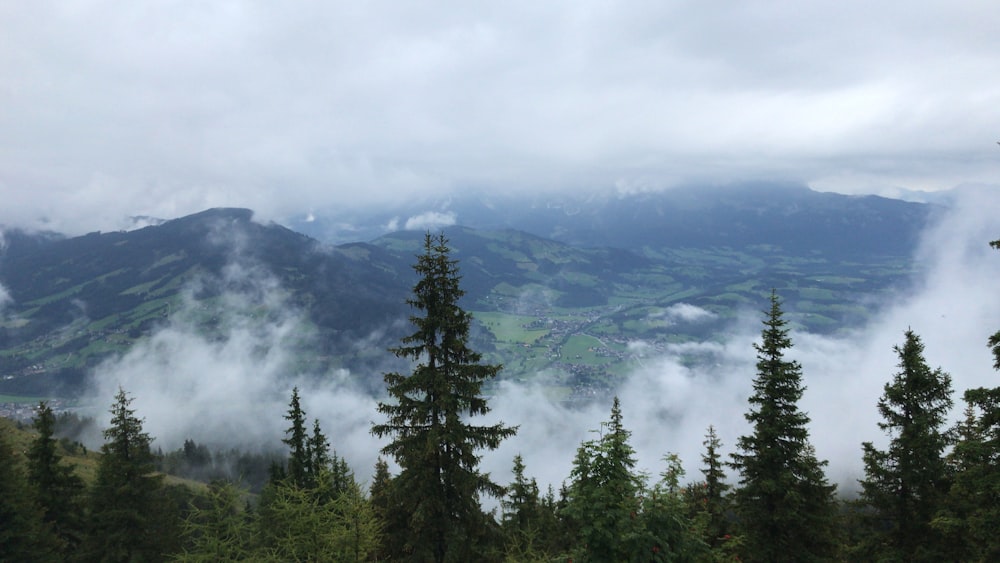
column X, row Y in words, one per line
column 710, row 495
column 57, row 489
column 24, row 535
column 298, row 442
column 603, row 498
column 905, row 483
column 434, row 445
column 994, row 341
column 971, row 516
column 522, row 517
column 785, row 505
column 131, row 519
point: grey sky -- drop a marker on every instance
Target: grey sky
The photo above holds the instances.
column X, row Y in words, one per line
column 165, row 108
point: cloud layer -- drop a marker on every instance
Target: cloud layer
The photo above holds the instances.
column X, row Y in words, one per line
column 235, row 388
column 162, row 109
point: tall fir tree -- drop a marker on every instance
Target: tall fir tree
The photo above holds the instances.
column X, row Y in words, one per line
column 785, row 505
column 24, row 535
column 710, row 496
column 131, row 518
column 298, row 442
column 434, row 445
column 523, row 517
column 57, row 488
column 971, row 515
column 906, row 483
column 604, row 496
column 994, row 341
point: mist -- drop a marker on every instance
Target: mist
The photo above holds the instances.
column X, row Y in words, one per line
column 235, row 389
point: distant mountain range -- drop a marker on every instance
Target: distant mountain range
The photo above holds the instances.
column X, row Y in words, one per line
column 561, row 285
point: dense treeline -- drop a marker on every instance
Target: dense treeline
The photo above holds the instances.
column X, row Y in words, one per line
column 932, row 494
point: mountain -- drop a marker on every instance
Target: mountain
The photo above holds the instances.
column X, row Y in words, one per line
column 77, row 300
column 570, row 298
column 790, row 217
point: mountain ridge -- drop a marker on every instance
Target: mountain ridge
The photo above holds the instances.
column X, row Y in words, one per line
column 77, row 301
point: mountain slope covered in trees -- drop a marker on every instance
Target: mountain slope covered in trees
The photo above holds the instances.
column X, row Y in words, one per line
column 653, row 267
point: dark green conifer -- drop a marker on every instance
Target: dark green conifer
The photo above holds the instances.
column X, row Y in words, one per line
column 131, row 518
column 603, row 498
column 433, row 442
column 56, row 487
column 905, row 483
column 785, row 505
column 24, row 535
column 297, row 440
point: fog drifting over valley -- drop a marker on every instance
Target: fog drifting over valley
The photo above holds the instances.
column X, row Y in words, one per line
column 235, row 390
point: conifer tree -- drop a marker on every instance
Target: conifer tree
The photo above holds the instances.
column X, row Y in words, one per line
column 24, row 536
column 603, row 500
column 297, row 440
column 523, row 517
column 994, row 341
column 710, row 495
column 905, row 483
column 387, row 510
column 784, row 503
column 434, row 445
column 131, row 519
column 57, row 489
column 971, row 516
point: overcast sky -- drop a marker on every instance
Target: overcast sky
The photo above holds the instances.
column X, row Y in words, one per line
column 110, row 109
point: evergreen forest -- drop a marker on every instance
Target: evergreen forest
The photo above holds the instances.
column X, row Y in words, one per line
column 932, row 493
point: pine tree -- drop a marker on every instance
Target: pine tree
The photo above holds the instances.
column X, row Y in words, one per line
column 24, row 535
column 57, row 489
column 603, row 500
column 971, row 516
column 131, row 519
column 994, row 341
column 297, row 440
column 388, row 510
column 433, row 444
column 784, row 503
column 709, row 496
column 522, row 517
column 905, row 484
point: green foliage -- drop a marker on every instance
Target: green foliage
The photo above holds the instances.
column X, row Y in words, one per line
column 970, row 516
column 57, row 489
column 131, row 516
column 611, row 514
column 994, row 341
column 784, row 503
column 316, row 524
column 434, row 446
column 220, row 530
column 604, row 503
column 24, row 535
column 708, row 499
column 905, row 484
column 299, row 468
column 528, row 523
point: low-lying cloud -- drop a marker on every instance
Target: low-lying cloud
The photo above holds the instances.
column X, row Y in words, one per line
column 235, row 388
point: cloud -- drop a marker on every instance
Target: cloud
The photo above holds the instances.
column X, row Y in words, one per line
column 429, row 221
column 5, row 298
column 235, row 386
column 685, row 312
column 162, row 109
column 668, row 404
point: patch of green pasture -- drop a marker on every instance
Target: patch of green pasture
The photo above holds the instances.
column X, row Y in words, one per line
column 141, row 288
column 57, row 296
column 510, row 328
column 20, row 399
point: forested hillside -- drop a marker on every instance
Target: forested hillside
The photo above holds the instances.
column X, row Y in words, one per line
column 928, row 495
column 569, row 301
